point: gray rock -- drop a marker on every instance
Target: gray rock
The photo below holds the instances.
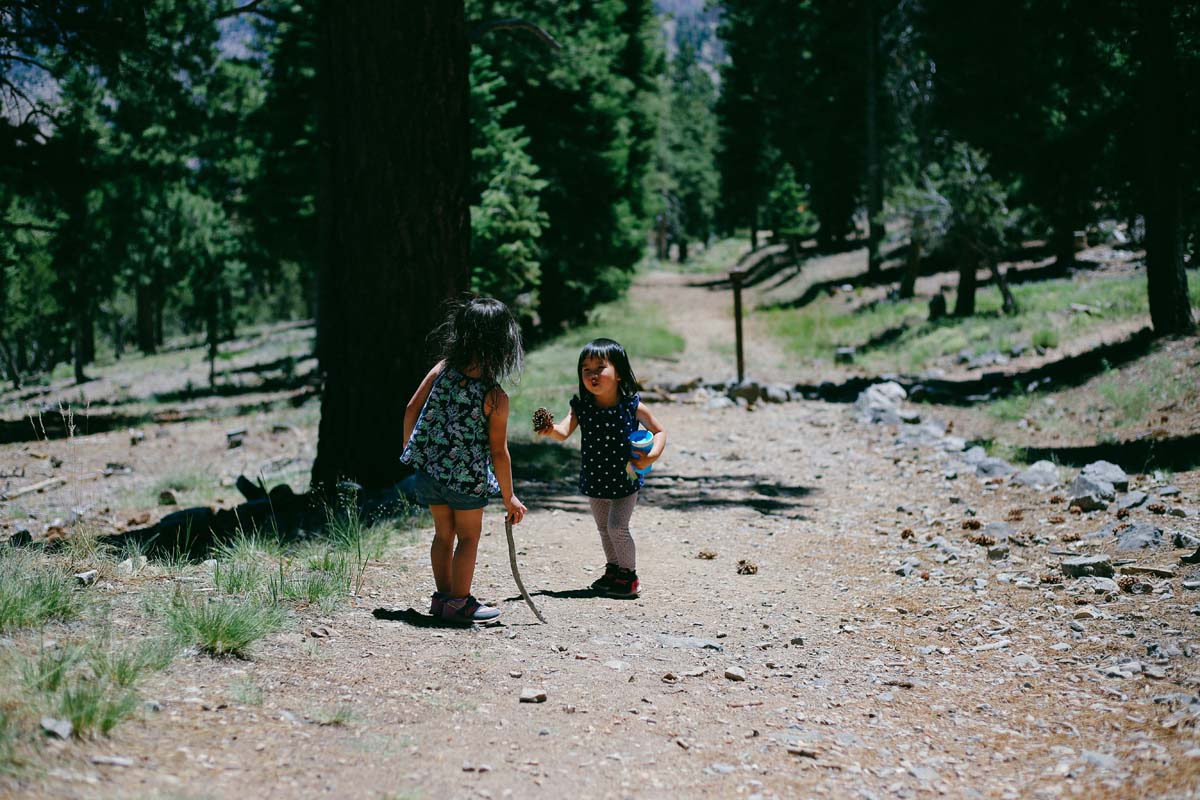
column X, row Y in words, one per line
column 747, row 390
column 908, row 567
column 533, row 695
column 1107, row 472
column 735, row 674
column 992, row 467
column 1100, row 760
column 1000, row 531
column 60, row 728
column 1087, row 494
column 720, row 401
column 1104, row 585
column 1039, row 475
column 775, row 393
column 1085, row 566
column 86, row 578
column 997, row 552
column 974, row 455
column 1168, row 491
column 1132, row 500
column 1179, row 539
column 880, row 403
column 1138, row 536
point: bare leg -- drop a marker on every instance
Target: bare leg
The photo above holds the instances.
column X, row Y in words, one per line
column 467, row 527
column 442, row 550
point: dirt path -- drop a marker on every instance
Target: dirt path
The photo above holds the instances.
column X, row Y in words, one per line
column 824, row 674
column 704, row 318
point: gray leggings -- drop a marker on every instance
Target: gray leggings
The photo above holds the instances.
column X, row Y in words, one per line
column 612, row 520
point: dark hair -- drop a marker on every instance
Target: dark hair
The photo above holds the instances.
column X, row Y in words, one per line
column 480, row 332
column 613, row 353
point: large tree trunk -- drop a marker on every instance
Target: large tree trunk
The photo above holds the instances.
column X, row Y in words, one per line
column 912, row 267
column 146, row 340
column 1062, row 238
column 83, row 322
column 874, row 173
column 964, row 302
column 394, row 218
column 1170, row 308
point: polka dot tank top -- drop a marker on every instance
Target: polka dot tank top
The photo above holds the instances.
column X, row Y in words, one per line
column 605, row 447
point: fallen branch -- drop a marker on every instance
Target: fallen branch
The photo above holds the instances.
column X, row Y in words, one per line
column 40, row 486
column 512, row 562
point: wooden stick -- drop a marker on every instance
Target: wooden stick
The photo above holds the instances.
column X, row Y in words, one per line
column 49, row 483
column 512, row 562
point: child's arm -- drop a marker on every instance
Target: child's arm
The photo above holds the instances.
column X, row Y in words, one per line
column 559, row 431
column 501, row 461
column 650, row 423
column 417, row 401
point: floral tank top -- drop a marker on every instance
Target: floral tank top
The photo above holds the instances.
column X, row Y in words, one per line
column 450, row 442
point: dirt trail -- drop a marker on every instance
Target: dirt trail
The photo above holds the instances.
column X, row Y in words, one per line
column 704, row 318
column 824, row 674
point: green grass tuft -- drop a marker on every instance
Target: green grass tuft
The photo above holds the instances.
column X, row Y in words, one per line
column 221, row 626
column 33, row 593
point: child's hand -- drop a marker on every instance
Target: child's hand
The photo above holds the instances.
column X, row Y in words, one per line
column 642, row 460
column 516, row 509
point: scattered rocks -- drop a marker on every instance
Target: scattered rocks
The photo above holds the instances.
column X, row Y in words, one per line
column 688, row 643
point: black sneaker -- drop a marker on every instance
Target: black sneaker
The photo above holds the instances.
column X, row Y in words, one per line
column 467, row 610
column 603, row 583
column 624, row 584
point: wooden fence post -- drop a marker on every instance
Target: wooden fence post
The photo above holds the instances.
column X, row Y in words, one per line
column 735, row 277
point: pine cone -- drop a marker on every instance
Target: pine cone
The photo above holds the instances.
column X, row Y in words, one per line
column 542, row 419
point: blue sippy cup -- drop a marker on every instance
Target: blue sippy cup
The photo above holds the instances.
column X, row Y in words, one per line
column 642, row 441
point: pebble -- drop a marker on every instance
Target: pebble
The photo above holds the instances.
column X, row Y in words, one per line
column 59, row 728
column 735, row 674
column 533, row 696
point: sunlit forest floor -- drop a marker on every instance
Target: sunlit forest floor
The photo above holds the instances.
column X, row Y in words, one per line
column 781, row 647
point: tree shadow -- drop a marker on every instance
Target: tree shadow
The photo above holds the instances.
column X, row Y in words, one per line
column 1068, row 371
column 760, row 493
column 1144, row 454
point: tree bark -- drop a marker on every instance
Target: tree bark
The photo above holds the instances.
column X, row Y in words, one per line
column 964, row 302
column 1170, row 307
column 1063, row 243
column 79, row 352
column 912, row 267
column 1010, row 302
column 394, row 218
column 10, row 364
column 145, row 318
column 874, row 173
